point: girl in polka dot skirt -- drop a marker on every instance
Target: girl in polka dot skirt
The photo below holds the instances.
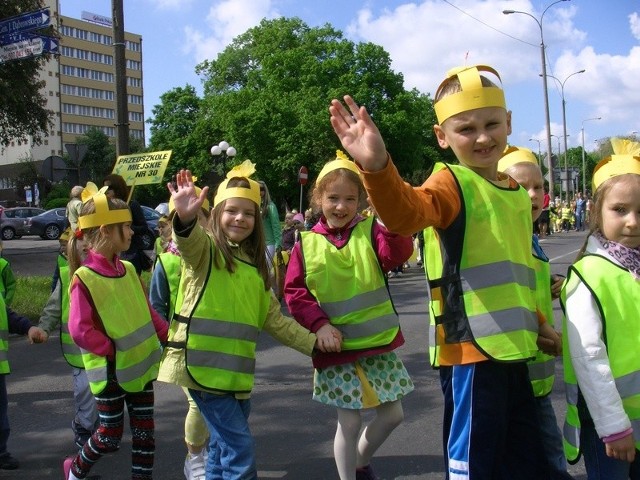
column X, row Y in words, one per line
column 336, row 287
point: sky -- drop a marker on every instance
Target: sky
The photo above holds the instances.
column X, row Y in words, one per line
column 424, row 40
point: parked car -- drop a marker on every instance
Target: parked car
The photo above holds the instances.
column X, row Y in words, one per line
column 151, row 216
column 48, row 225
column 13, row 220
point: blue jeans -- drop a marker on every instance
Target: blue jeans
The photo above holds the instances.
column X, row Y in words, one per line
column 551, row 438
column 231, row 447
column 596, row 462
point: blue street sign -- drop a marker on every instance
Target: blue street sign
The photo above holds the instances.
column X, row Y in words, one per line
column 50, row 44
column 26, row 22
column 15, row 37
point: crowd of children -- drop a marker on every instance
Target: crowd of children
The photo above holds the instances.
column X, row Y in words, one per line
column 491, row 326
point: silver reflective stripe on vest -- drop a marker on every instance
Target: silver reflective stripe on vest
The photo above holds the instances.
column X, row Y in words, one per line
column 571, row 393
column 502, row 321
column 357, row 303
column 135, row 338
column 223, row 329
column 495, row 274
column 4, row 335
column 70, row 349
column 3, row 355
column 628, row 385
column 222, row 361
column 370, row 327
column 571, row 434
column 138, row 370
column 542, row 370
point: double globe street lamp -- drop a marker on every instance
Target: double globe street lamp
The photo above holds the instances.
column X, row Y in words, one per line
column 223, row 150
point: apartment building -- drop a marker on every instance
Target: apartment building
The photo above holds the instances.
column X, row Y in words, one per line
column 80, row 89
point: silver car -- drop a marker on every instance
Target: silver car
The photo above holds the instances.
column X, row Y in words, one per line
column 12, row 222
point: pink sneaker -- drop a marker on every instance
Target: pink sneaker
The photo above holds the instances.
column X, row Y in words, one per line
column 66, row 466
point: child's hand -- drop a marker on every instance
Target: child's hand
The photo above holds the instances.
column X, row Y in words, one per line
column 358, row 134
column 329, row 338
column 622, row 449
column 185, row 200
column 37, row 335
column 556, row 285
column 549, row 341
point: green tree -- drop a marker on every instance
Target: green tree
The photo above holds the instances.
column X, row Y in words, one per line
column 23, row 111
column 172, row 128
column 101, row 154
column 268, row 94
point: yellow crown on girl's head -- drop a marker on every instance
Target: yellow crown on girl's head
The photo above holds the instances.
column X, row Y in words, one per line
column 625, row 159
column 205, row 204
column 515, row 155
column 341, row 161
column 102, row 214
column 244, row 170
column 472, row 93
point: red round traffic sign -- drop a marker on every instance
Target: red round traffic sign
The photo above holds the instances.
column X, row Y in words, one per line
column 303, row 175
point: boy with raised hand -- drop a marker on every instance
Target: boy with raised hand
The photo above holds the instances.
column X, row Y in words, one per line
column 477, row 222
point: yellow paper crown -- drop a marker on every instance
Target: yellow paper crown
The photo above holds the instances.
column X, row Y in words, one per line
column 205, row 204
column 66, row 235
column 341, row 161
column 244, row 170
column 102, row 215
column 514, row 155
column 625, row 159
column 472, row 94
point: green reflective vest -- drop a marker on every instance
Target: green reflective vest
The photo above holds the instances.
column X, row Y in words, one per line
column 3, row 288
column 122, row 305
column 480, row 274
column 70, row 350
column 616, row 294
column 223, row 328
column 542, row 368
column 4, row 338
column 171, row 264
column 350, row 287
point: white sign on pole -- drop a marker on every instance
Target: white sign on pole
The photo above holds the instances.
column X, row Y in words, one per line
column 23, row 49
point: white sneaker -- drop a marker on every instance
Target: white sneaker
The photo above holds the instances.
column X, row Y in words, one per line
column 194, row 466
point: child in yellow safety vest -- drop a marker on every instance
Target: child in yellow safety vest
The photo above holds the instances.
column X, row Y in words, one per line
column 335, row 286
column 225, row 301
column 484, row 324
column 522, row 165
column 601, row 332
column 111, row 320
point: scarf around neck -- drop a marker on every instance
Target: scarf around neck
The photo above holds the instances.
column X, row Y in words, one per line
column 629, row 258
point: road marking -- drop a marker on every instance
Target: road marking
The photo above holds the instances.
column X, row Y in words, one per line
column 564, row 255
column 273, row 474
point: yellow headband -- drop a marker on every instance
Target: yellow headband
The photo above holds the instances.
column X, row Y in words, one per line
column 341, row 161
column 102, row 215
column 244, row 170
column 625, row 159
column 515, row 155
column 472, row 95
column 66, row 235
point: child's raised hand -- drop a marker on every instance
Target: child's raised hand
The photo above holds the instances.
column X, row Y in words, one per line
column 358, row 134
column 187, row 203
column 329, row 338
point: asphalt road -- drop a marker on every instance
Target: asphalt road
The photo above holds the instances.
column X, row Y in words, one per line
column 293, row 434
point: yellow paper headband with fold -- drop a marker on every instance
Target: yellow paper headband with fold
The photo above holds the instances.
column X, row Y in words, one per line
column 625, row 159
column 515, row 155
column 244, row 170
column 205, row 204
column 102, row 215
column 341, row 161
column 472, row 93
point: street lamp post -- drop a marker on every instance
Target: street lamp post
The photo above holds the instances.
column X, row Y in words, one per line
column 551, row 176
column 564, row 123
column 539, row 152
column 224, row 151
column 544, row 83
column 584, row 170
